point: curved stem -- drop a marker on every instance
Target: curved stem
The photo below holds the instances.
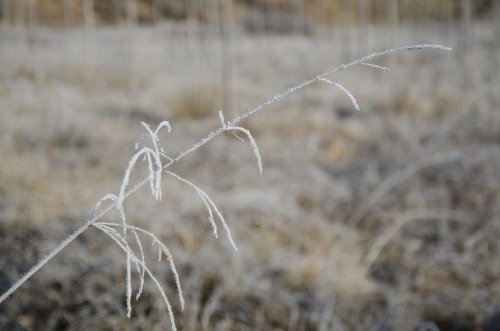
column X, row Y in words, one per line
column 204, row 141
column 46, row 259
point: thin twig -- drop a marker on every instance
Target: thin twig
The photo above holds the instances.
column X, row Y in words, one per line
column 125, row 194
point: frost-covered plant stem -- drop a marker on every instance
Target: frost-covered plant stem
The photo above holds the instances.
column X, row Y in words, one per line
column 225, row 126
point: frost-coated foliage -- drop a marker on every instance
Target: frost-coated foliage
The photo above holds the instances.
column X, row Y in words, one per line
column 149, row 150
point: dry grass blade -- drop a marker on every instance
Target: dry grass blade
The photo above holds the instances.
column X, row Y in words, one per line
column 126, row 178
column 158, row 151
column 234, row 129
column 209, row 204
column 154, row 241
column 382, row 241
column 122, row 243
column 252, row 141
column 376, row 66
column 343, row 89
column 397, row 178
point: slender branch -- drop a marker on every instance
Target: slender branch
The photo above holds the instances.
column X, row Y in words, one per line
column 277, row 97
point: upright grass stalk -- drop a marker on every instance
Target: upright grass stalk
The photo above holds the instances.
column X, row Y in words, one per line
column 154, row 156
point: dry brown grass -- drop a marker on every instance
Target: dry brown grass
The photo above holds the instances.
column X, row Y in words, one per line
column 54, row 12
column 301, row 264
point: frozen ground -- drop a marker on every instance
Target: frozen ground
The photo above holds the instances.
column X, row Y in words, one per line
column 374, row 220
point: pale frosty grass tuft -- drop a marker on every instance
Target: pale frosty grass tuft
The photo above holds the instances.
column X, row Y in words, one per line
column 130, row 238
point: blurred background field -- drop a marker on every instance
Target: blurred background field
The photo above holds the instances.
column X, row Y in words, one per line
column 383, row 219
